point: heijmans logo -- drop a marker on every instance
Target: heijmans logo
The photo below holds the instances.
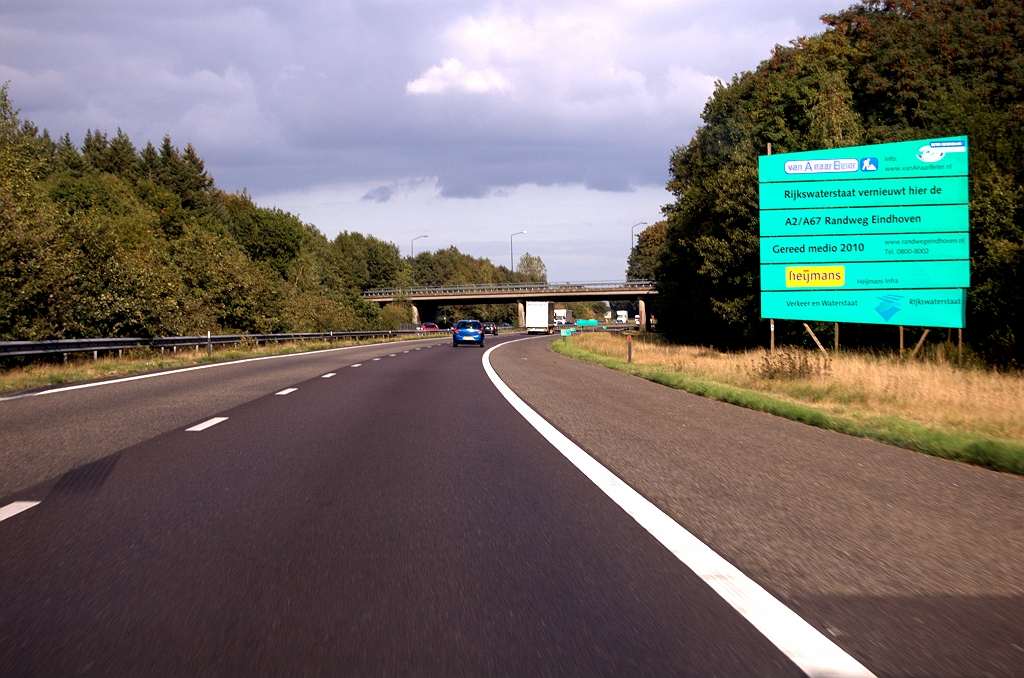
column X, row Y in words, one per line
column 868, row 164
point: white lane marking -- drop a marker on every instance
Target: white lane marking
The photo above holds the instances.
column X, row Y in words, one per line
column 404, row 351
column 328, row 375
column 356, row 365
column 376, row 359
column 207, row 424
column 15, row 507
column 816, row 655
column 153, row 375
column 286, row 391
column 417, row 349
column 391, row 355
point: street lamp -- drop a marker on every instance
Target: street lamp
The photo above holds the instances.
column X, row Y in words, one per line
column 631, row 243
column 511, row 256
column 412, row 263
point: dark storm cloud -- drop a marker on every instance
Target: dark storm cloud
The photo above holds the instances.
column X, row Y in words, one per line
column 282, row 95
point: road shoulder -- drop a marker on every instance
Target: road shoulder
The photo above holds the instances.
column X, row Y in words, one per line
column 909, row 562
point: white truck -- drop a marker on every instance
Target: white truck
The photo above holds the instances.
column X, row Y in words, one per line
column 563, row 316
column 540, row 317
column 622, row 316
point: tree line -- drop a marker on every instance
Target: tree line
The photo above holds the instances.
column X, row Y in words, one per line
column 107, row 240
column 882, row 71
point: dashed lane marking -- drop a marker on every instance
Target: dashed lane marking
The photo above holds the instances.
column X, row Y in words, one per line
column 392, row 355
column 376, row 359
column 328, row 375
column 816, row 655
column 154, row 375
column 207, row 424
column 286, row 391
column 15, row 507
column 356, row 365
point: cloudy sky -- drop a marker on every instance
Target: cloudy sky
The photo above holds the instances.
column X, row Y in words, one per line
column 464, row 121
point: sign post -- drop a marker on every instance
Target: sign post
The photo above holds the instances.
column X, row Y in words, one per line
column 867, row 234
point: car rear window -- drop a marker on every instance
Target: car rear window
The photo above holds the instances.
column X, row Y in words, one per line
column 468, row 325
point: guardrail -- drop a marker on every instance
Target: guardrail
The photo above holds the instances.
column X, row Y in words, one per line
column 65, row 346
column 515, row 287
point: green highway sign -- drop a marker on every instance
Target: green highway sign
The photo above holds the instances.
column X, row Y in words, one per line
column 869, row 234
column 865, row 193
column 882, row 248
column 865, row 276
column 917, row 219
column 928, row 158
column 918, row 308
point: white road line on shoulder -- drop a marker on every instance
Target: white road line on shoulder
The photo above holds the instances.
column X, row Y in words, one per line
column 816, row 655
column 328, row 375
column 16, row 507
column 376, row 359
column 404, row 351
column 153, row 375
column 286, row 391
column 207, row 424
column 356, row 365
column 392, row 355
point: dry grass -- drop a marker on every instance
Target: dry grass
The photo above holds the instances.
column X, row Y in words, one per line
column 136, row 361
column 856, row 386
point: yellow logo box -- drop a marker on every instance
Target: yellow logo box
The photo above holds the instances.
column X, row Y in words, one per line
column 815, row 276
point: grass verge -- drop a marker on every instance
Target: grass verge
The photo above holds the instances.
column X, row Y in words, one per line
column 973, row 448
column 140, row 361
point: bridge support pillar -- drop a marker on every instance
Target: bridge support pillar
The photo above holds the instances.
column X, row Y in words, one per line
column 643, row 313
column 522, row 312
column 415, row 314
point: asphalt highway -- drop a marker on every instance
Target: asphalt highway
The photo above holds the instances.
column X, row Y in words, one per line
column 398, row 518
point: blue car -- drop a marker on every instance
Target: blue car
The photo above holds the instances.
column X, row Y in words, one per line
column 468, row 332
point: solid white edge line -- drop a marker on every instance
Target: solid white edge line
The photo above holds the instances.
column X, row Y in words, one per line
column 328, row 375
column 207, row 424
column 816, row 655
column 153, row 375
column 286, row 391
column 15, row 507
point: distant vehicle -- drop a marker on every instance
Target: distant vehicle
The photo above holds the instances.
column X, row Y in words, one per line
column 504, row 326
column 638, row 321
column 490, row 328
column 468, row 332
column 540, row 317
column 429, row 327
column 563, row 316
column 622, row 316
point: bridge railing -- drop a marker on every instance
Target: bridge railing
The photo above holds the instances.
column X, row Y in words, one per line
column 639, row 285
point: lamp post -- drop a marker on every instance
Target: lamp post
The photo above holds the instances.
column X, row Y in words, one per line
column 511, row 256
column 412, row 258
column 631, row 243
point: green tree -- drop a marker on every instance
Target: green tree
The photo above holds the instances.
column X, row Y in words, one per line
column 882, row 71
column 531, row 269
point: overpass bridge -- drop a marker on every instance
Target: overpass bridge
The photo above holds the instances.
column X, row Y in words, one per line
column 425, row 300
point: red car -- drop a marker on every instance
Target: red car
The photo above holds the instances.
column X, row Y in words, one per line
column 430, row 327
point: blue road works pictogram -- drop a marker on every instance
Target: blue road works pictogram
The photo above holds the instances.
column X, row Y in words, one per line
column 888, row 306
